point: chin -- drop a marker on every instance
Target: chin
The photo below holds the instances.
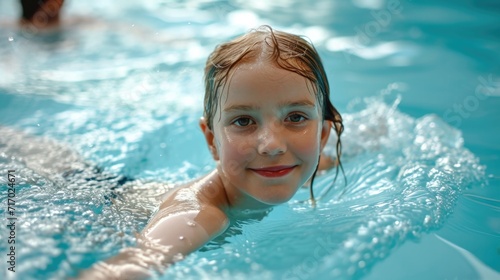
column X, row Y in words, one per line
column 276, row 200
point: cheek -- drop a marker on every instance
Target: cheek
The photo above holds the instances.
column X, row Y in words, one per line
column 308, row 145
column 236, row 151
column 239, row 147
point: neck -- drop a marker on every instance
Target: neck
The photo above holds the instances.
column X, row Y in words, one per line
column 237, row 200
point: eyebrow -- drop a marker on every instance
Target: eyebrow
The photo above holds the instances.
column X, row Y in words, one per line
column 300, row 103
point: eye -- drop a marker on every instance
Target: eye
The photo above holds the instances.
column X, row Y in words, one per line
column 242, row 121
column 296, row 118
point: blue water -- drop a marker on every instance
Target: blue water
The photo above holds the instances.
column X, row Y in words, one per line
column 419, row 89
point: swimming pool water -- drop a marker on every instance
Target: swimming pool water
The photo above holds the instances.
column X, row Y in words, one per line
column 122, row 85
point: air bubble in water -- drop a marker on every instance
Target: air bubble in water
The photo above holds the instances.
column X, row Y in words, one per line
column 361, row 264
column 427, row 220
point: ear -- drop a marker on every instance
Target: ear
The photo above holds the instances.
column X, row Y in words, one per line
column 325, row 133
column 209, row 137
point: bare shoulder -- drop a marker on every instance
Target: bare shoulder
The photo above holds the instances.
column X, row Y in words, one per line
column 187, row 212
column 186, row 220
column 205, row 193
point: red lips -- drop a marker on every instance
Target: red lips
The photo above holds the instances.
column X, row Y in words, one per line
column 274, row 171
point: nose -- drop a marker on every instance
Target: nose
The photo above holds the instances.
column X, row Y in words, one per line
column 271, row 141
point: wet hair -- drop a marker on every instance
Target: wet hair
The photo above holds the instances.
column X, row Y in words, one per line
column 286, row 51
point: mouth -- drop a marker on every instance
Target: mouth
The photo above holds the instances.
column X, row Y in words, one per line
column 274, row 171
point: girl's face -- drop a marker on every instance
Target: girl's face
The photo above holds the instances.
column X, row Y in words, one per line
column 267, row 135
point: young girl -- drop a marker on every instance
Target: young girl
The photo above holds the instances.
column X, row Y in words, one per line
column 267, row 117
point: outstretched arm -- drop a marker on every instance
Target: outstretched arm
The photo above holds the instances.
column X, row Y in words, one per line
column 174, row 232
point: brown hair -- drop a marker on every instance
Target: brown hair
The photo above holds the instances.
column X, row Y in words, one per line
column 287, row 51
column 48, row 8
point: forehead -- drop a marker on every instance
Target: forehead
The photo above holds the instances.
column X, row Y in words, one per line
column 263, row 82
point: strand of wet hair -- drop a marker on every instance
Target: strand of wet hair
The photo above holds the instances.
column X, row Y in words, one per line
column 339, row 167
